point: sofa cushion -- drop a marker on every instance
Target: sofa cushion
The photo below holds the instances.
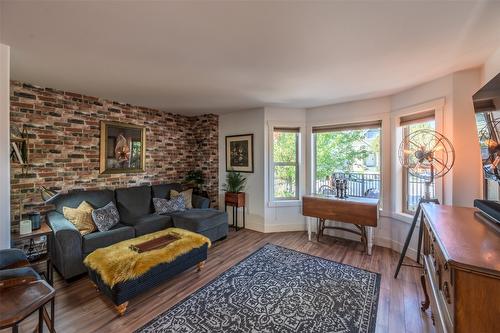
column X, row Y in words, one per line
column 106, row 217
column 152, row 223
column 198, row 220
column 73, row 199
column 133, row 202
column 163, row 190
column 81, row 217
column 187, row 194
column 99, row 239
column 165, row 206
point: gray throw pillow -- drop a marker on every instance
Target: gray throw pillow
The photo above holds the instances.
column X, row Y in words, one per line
column 164, row 206
column 106, row 217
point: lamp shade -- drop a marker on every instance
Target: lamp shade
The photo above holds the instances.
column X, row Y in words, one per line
column 48, row 195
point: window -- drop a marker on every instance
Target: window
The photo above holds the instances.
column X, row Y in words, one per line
column 348, row 151
column 414, row 187
column 285, row 164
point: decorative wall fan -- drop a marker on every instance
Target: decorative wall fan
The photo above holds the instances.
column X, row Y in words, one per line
column 428, row 155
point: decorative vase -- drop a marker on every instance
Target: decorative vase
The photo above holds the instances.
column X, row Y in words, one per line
column 35, row 220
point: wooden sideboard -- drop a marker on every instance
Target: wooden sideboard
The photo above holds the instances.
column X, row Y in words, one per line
column 461, row 278
column 361, row 212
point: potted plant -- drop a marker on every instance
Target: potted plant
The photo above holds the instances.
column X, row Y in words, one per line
column 194, row 179
column 234, row 187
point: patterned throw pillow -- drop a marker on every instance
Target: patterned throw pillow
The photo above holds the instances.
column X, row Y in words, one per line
column 187, row 194
column 81, row 217
column 106, row 217
column 164, row 206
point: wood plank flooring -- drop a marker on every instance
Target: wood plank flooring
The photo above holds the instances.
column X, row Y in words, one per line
column 79, row 307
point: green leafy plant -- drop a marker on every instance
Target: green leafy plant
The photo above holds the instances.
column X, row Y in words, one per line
column 194, row 177
column 235, row 182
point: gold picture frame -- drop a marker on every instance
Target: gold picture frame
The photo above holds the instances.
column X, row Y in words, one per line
column 122, row 148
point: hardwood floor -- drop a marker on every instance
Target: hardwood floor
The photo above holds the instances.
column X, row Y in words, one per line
column 80, row 308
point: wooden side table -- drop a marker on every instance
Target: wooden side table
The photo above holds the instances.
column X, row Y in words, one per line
column 235, row 200
column 20, row 301
column 44, row 230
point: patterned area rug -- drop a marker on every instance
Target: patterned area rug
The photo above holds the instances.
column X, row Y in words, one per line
column 278, row 290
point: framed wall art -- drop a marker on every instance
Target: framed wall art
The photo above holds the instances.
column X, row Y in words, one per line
column 239, row 153
column 122, row 148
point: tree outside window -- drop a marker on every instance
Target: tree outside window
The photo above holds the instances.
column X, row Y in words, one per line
column 348, row 152
column 285, row 163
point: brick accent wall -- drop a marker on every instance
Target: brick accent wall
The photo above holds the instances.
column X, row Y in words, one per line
column 64, row 133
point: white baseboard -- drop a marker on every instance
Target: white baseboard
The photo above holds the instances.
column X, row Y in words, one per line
column 285, row 227
column 253, row 222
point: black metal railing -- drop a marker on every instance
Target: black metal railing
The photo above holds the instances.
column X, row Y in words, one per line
column 360, row 184
column 416, row 190
column 368, row 184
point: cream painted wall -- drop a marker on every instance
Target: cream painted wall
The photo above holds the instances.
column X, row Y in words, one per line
column 491, row 67
column 246, row 122
column 467, row 171
column 440, row 88
column 463, row 184
column 4, row 147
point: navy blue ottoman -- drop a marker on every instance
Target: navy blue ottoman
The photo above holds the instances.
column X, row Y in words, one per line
column 210, row 223
column 122, row 292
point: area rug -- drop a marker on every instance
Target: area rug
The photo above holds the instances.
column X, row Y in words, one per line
column 276, row 289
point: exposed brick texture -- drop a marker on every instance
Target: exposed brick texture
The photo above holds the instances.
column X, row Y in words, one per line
column 64, row 144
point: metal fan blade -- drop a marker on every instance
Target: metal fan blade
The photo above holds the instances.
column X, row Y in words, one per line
column 435, row 145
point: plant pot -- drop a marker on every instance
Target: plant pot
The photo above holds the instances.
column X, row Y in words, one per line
column 235, row 199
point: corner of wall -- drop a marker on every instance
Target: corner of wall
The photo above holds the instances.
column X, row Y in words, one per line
column 4, row 147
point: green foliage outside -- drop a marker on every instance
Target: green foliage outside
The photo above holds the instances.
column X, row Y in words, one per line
column 285, row 170
column 342, row 151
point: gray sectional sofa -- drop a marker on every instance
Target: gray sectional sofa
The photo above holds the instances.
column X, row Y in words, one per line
column 137, row 218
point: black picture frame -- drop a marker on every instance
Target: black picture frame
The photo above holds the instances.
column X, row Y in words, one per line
column 239, row 153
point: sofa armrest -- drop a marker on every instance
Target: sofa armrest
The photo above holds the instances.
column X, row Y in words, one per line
column 200, row 202
column 66, row 247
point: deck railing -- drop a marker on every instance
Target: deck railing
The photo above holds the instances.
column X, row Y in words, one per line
column 368, row 184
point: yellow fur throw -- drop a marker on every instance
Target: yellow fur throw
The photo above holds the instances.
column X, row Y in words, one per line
column 118, row 263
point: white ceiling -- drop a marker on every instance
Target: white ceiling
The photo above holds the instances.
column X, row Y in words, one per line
column 193, row 57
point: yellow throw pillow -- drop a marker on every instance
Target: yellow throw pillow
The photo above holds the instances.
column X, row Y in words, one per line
column 187, row 194
column 81, row 217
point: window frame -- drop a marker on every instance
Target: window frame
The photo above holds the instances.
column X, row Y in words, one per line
column 405, row 173
column 438, row 106
column 296, row 164
column 301, row 170
column 355, row 125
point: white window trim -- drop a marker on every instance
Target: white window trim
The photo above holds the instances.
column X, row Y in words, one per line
column 300, row 164
column 396, row 136
column 384, row 145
